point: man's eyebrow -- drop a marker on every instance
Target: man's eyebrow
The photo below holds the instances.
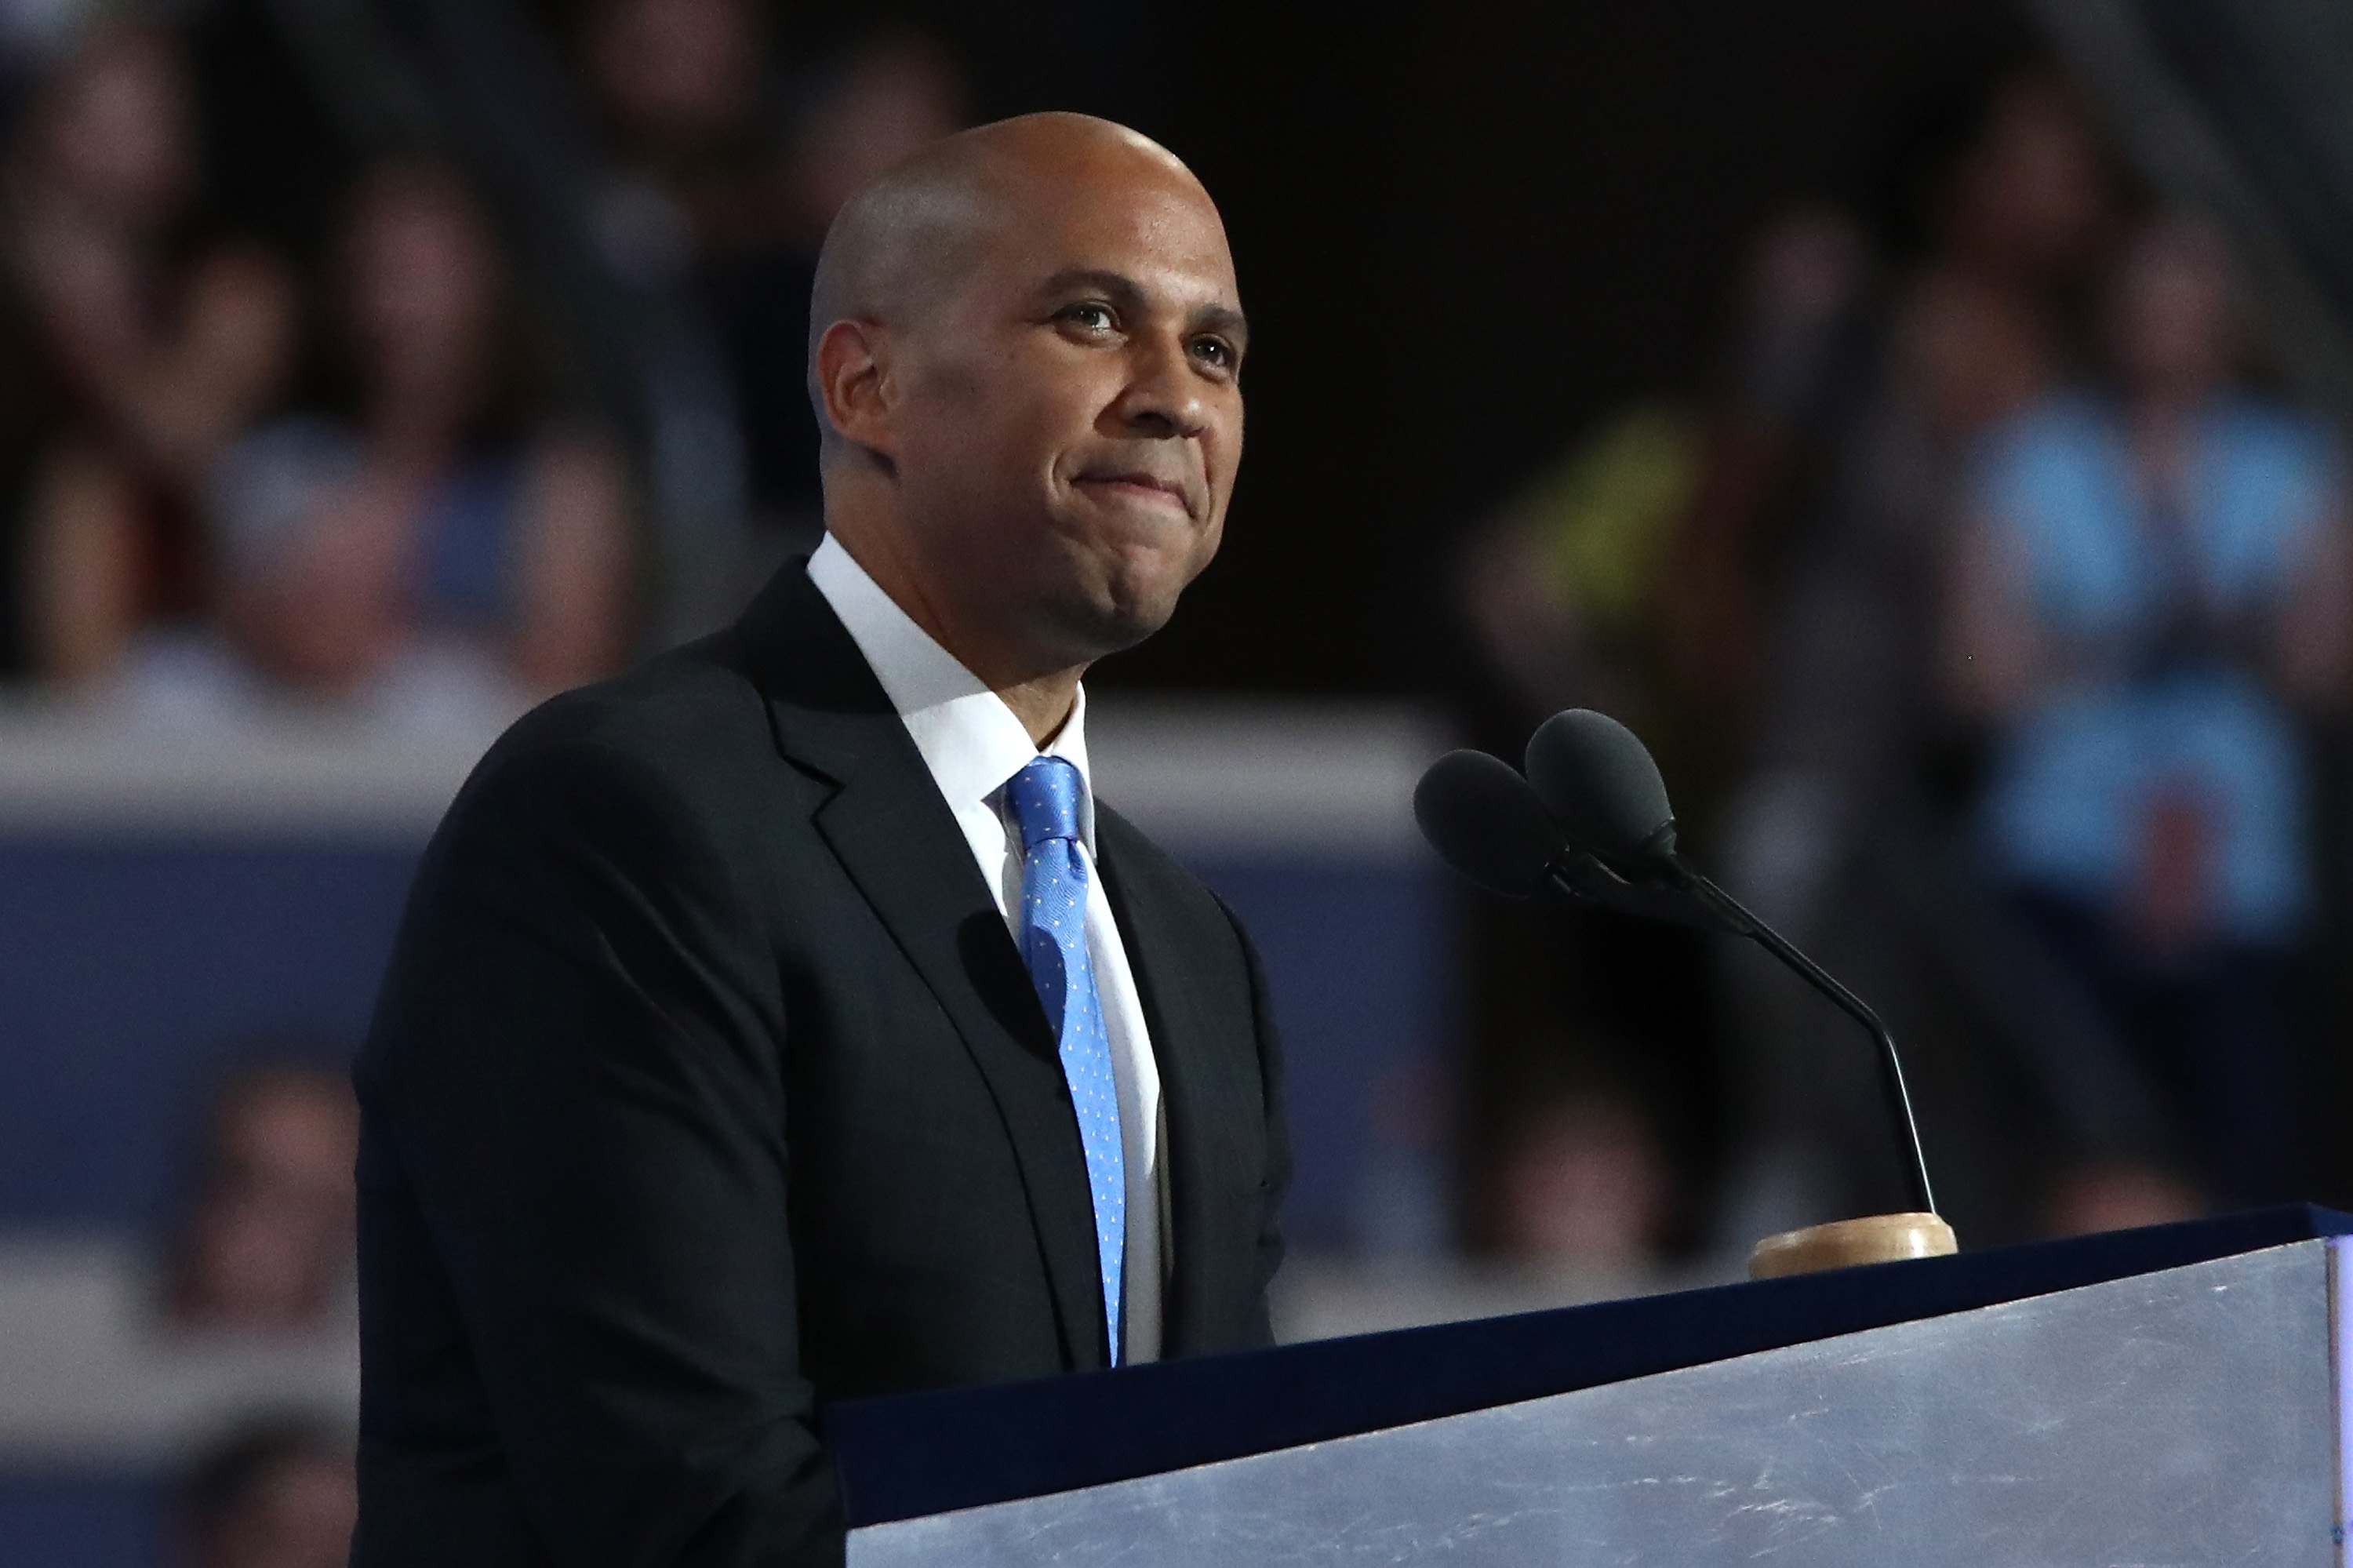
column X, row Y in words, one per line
column 1224, row 320
column 1121, row 290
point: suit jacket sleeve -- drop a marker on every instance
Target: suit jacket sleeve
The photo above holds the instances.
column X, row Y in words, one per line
column 576, row 1064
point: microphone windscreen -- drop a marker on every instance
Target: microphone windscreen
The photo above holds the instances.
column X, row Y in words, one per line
column 1483, row 821
column 1599, row 783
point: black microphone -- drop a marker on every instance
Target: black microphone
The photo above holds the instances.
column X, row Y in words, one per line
column 1597, row 779
column 1482, row 818
column 1486, row 822
column 1604, row 793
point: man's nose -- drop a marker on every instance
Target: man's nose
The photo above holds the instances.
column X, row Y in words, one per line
column 1164, row 397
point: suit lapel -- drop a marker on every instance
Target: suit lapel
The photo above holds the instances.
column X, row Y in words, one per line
column 899, row 842
column 1208, row 1105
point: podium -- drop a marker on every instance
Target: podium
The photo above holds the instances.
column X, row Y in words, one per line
column 2174, row 1395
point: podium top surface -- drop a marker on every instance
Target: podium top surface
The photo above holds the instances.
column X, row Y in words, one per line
column 905, row 1456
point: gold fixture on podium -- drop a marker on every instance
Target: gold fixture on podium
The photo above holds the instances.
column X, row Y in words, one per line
column 1843, row 1243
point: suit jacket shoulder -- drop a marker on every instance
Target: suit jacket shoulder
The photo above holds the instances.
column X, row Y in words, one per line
column 691, row 723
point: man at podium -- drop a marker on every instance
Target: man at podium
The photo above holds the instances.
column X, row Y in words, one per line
column 785, row 1020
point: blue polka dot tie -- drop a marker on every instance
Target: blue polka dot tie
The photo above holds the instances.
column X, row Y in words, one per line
column 1045, row 798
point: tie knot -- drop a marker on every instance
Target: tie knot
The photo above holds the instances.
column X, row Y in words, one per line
column 1045, row 798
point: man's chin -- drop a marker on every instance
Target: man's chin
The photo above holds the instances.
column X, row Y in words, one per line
column 1117, row 592
column 1097, row 631
column 1117, row 617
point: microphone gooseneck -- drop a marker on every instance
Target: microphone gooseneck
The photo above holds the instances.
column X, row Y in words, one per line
column 1602, row 787
column 1891, row 1066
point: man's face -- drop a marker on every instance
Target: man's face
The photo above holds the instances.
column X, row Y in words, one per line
column 1068, row 419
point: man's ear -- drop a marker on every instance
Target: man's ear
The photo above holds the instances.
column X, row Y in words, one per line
column 856, row 393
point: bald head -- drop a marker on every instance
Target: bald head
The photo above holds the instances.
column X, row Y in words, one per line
column 1025, row 354
column 901, row 245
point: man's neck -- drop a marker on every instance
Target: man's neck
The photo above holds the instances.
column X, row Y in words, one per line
column 1042, row 705
column 1041, row 700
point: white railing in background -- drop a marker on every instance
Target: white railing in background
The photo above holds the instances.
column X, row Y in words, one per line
column 1199, row 774
column 90, row 1375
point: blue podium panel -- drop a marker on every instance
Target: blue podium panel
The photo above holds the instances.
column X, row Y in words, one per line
column 2185, row 1416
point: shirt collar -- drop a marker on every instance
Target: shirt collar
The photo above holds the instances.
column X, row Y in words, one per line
column 970, row 740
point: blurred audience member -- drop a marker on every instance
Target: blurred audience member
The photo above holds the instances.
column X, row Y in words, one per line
column 877, row 103
column 1626, row 578
column 152, row 345
column 1837, row 832
column 2154, row 580
column 1561, row 585
column 1796, row 367
column 1585, row 1190
column 680, row 86
column 1562, row 591
column 1638, row 577
column 2030, row 207
column 2014, row 218
column 1622, row 577
column 1577, row 1207
column 2095, row 1198
column 267, row 1243
column 724, row 181
column 432, row 550
column 885, row 97
column 278, row 1494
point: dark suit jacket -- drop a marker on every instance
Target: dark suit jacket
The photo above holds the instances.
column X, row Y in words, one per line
column 707, row 1086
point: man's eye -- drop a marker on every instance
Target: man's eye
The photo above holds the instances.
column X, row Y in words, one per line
column 1090, row 317
column 1214, row 351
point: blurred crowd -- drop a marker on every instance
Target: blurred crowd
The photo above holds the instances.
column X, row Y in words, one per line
column 225, row 1345
column 1991, row 611
column 287, row 426
column 1991, row 620
column 261, row 1261
column 328, row 449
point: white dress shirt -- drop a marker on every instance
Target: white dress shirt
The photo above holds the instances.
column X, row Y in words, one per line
column 974, row 746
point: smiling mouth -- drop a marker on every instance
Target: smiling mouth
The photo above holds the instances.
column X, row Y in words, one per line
column 1140, row 487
